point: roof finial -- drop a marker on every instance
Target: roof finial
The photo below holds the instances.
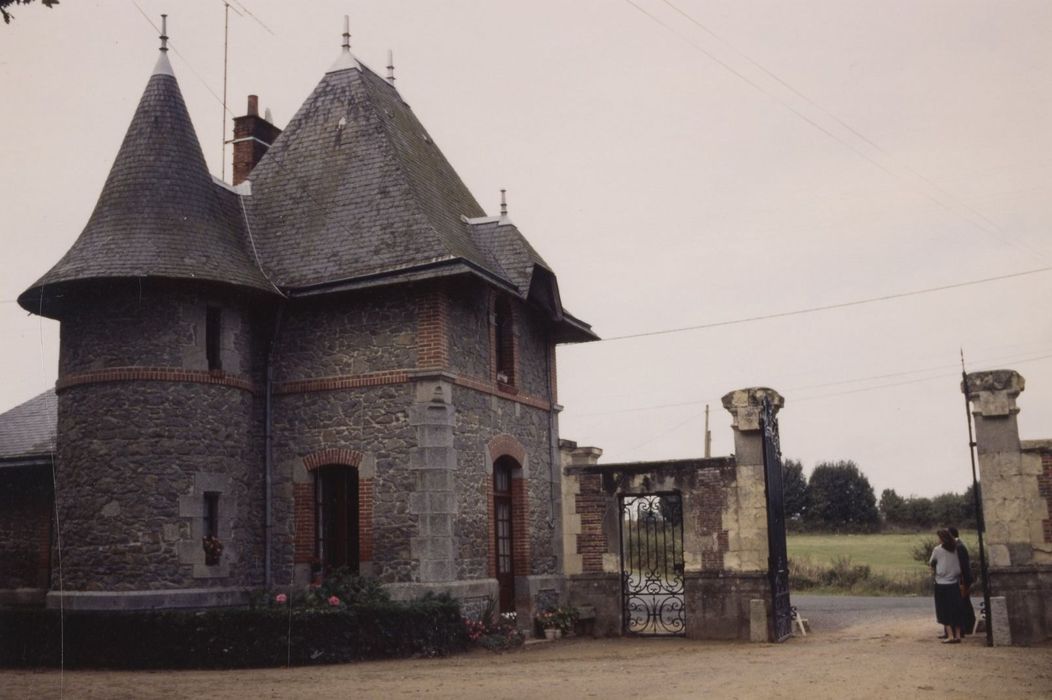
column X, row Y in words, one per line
column 503, row 203
column 164, row 33
column 346, row 34
column 390, row 66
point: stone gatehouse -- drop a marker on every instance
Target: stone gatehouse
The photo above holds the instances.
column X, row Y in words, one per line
column 337, row 361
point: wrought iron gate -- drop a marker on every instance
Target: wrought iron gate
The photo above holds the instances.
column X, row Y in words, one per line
column 778, row 558
column 652, row 564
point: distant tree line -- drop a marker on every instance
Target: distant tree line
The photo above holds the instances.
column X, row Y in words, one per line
column 921, row 512
column 839, row 498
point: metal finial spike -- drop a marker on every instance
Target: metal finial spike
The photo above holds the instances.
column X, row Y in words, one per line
column 164, row 32
column 346, row 34
column 503, row 203
column 390, row 66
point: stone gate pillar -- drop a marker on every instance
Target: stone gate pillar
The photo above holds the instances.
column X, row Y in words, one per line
column 1016, row 488
column 747, row 545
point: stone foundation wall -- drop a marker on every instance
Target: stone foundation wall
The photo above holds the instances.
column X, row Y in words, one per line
column 718, row 603
column 1026, row 591
column 25, row 526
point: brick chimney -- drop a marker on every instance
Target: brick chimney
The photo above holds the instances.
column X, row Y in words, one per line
column 252, row 137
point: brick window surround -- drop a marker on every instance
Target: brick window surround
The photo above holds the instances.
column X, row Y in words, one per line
column 507, row 447
column 305, row 505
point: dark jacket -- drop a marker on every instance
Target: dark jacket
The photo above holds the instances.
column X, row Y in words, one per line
column 966, row 564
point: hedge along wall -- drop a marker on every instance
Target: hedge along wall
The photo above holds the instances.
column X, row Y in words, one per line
column 231, row 638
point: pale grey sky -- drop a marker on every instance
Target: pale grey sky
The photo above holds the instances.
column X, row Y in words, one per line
column 842, row 150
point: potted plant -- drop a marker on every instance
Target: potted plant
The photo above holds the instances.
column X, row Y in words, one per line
column 213, row 549
column 548, row 620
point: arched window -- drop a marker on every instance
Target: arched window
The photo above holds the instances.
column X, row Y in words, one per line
column 336, row 499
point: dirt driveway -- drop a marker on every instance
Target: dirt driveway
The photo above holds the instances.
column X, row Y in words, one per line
column 859, row 649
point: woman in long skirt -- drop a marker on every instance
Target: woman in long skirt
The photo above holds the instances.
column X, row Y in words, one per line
column 947, row 569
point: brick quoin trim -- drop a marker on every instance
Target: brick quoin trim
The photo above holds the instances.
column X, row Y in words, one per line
column 154, row 374
column 504, row 391
column 709, row 519
column 1044, row 487
column 401, row 376
column 432, row 335
column 505, row 445
column 303, row 521
column 365, row 519
column 591, row 506
column 520, row 521
column 491, row 518
column 334, row 456
column 352, row 381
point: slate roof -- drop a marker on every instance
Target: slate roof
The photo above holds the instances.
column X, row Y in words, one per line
column 27, row 431
column 354, row 190
column 355, row 186
column 160, row 213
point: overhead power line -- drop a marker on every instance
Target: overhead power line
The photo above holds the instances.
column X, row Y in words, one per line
column 977, row 219
column 827, row 307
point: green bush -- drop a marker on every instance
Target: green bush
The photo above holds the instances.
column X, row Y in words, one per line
column 843, row 576
column 232, row 637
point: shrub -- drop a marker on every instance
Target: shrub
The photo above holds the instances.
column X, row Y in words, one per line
column 233, row 637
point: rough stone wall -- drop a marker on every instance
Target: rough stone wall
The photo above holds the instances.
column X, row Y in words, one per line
column 348, row 334
column 137, row 451
column 25, row 527
column 470, row 343
column 156, row 325
column 370, row 420
column 480, row 418
column 128, row 454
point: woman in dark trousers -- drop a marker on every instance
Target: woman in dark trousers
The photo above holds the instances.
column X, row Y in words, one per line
column 967, row 611
column 947, row 568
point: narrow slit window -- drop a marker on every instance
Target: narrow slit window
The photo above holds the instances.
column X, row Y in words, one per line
column 211, row 514
column 504, row 349
column 213, row 329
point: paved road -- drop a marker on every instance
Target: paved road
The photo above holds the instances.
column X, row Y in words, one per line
column 830, row 613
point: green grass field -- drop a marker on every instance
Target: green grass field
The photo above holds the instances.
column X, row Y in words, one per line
column 888, row 556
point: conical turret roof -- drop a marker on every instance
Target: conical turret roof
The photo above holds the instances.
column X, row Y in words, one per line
column 160, row 213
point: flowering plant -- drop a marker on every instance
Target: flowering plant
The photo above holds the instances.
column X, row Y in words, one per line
column 549, row 619
column 213, row 549
column 334, row 601
column 281, row 598
column 476, row 629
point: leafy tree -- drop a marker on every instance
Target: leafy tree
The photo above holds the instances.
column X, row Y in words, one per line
column 794, row 489
column 919, row 512
column 892, row 506
column 4, row 4
column 841, row 498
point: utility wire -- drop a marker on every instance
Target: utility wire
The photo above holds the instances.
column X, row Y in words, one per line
column 825, row 307
column 927, row 195
column 837, row 119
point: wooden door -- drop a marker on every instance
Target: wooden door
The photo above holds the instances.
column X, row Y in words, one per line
column 338, row 518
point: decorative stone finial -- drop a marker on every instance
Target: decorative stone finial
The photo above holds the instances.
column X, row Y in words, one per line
column 163, row 65
column 346, row 59
column 503, row 202
column 744, row 405
column 993, row 393
column 390, row 66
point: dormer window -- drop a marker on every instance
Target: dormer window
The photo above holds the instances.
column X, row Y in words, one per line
column 504, row 341
column 213, row 331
